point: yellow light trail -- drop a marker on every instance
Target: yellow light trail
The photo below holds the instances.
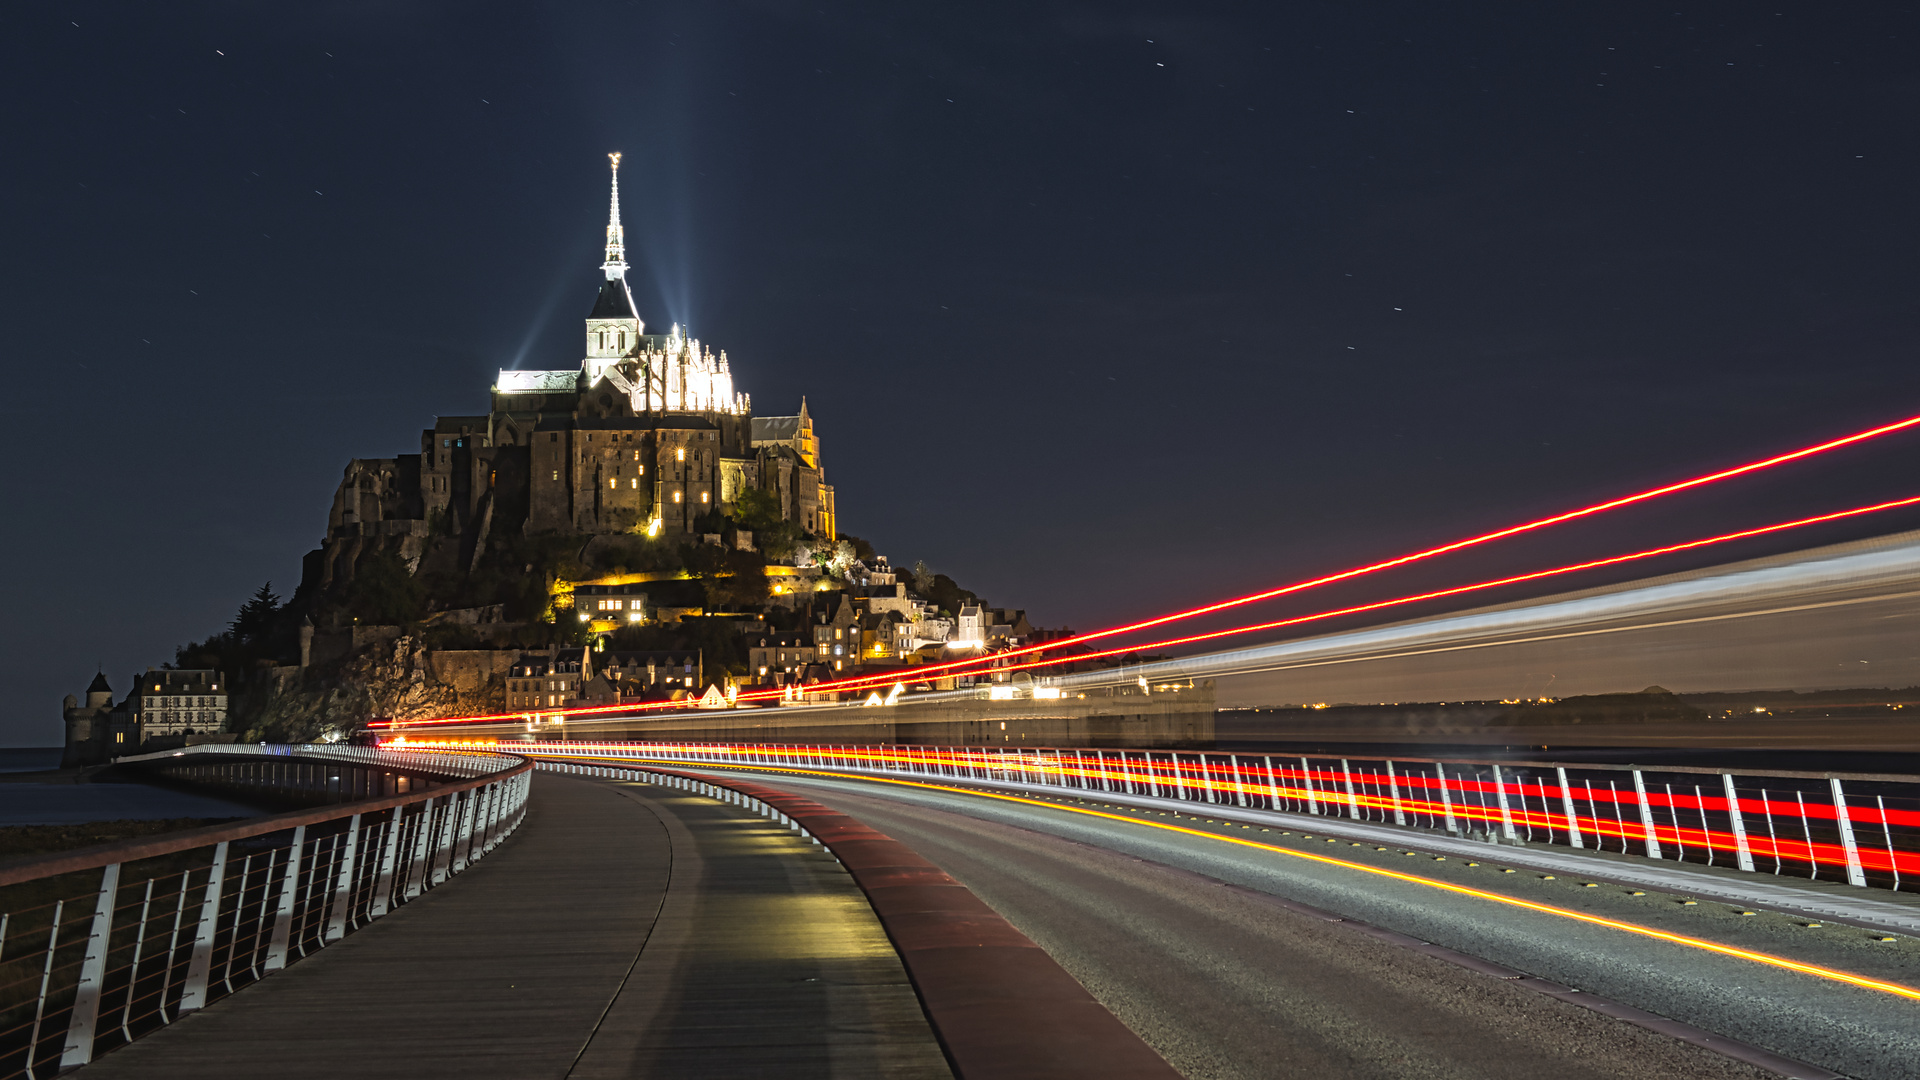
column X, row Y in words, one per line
column 1815, row 970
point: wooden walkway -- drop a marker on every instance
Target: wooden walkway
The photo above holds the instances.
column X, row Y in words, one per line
column 626, row 930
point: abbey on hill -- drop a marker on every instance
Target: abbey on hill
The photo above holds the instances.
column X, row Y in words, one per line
column 646, row 435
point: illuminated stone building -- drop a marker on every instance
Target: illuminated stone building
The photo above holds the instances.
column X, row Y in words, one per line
column 647, row 433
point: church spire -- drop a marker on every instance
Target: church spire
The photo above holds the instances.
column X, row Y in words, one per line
column 616, row 264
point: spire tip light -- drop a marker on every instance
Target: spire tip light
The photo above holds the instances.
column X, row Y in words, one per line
column 616, row 264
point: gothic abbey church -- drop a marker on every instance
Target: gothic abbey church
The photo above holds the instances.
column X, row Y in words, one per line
column 646, row 435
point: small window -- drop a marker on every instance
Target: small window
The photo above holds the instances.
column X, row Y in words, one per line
column 612, row 483
column 680, row 454
column 633, row 484
column 705, row 496
column 676, row 496
column 553, row 436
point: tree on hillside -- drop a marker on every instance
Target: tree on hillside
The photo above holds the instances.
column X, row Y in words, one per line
column 948, row 595
column 756, row 509
column 256, row 617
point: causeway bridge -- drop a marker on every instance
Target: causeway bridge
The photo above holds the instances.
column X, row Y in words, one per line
column 832, row 909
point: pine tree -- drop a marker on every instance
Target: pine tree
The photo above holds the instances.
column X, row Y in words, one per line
column 251, row 625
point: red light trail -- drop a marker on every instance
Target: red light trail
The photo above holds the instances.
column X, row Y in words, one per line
column 920, row 674
column 1459, row 589
column 1483, row 538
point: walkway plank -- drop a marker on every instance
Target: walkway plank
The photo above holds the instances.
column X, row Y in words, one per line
column 525, row 966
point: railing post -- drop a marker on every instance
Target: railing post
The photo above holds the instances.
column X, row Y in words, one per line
column 1306, row 778
column 194, row 994
column 1573, row 821
column 139, row 946
column 383, row 885
column 1353, row 801
column 1446, row 800
column 1273, row 782
column 343, row 884
column 463, row 837
column 483, row 819
column 93, row 969
column 422, row 839
column 283, row 913
column 1506, row 812
column 1646, row 815
column 1742, row 854
column 1856, row 876
column 497, row 814
column 443, row 835
column 46, row 977
column 1393, row 792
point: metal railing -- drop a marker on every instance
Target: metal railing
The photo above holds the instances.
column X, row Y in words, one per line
column 1863, row 829
column 102, row 945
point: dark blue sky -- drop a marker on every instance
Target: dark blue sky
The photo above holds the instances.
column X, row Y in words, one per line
column 1101, row 309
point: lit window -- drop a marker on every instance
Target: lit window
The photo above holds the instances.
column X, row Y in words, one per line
column 641, row 469
column 635, row 484
column 676, row 496
column 704, row 496
column 680, row 454
column 636, row 453
column 612, row 483
column 556, row 474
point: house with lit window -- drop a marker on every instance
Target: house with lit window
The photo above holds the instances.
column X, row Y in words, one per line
column 96, row 732
column 172, row 704
column 540, row 681
column 616, row 603
column 836, row 634
column 777, row 659
column 881, row 635
column 651, row 675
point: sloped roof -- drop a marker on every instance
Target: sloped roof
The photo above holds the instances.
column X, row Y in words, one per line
column 775, row 428
column 537, row 382
column 99, row 684
column 614, row 301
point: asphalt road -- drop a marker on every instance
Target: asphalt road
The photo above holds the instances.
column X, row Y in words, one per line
column 1186, row 939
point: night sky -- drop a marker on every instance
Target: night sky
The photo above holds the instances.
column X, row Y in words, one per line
column 1099, row 309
